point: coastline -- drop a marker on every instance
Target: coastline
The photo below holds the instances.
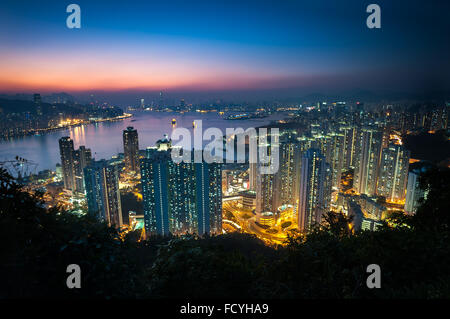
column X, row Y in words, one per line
column 40, row 132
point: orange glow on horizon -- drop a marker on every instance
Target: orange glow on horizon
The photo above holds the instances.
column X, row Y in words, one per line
column 81, row 71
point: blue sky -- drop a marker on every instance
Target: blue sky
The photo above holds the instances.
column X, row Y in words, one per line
column 229, row 45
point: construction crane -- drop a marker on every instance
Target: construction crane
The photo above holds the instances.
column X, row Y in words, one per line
column 19, row 167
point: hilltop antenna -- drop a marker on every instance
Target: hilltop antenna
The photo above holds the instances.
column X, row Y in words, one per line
column 19, row 167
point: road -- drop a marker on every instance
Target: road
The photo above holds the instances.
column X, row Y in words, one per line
column 248, row 225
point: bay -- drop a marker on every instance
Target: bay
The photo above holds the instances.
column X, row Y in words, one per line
column 105, row 138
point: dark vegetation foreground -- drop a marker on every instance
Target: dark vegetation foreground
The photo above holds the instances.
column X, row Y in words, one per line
column 36, row 245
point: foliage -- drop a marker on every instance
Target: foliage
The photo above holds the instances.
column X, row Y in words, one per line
column 37, row 244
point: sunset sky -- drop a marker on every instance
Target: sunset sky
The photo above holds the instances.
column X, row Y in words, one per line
column 226, row 45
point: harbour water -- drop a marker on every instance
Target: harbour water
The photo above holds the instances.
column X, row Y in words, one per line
column 105, row 138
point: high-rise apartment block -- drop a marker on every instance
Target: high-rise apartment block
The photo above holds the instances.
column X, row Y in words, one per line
column 413, row 192
column 73, row 163
column 102, row 192
column 180, row 197
column 131, row 149
column 315, row 189
column 66, row 152
column 82, row 157
column 368, row 160
column 393, row 174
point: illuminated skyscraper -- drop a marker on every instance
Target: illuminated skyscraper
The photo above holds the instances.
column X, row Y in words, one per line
column 445, row 116
column 102, row 192
column 413, row 192
column 131, row 149
column 439, row 119
column 252, row 172
column 350, row 134
column 266, row 198
column 315, row 189
column 265, row 192
column 322, row 143
column 38, row 102
column 66, row 151
column 385, row 137
column 368, row 161
column 208, row 202
column 180, row 197
column 81, row 158
column 393, row 173
column 253, row 167
column 335, row 157
column 161, row 100
column 287, row 178
column 331, row 147
column 154, row 182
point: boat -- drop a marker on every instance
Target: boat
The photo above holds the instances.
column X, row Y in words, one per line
column 174, row 122
column 194, row 125
column 246, row 116
column 243, row 116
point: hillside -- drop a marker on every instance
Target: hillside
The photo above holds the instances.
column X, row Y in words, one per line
column 36, row 246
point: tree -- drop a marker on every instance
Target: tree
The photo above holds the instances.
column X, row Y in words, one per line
column 337, row 224
column 37, row 244
column 434, row 211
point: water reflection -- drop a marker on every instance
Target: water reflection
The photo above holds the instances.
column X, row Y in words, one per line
column 77, row 134
column 105, row 138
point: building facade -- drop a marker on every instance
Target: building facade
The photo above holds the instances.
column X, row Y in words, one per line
column 393, row 174
column 180, row 197
column 82, row 157
column 66, row 151
column 102, row 192
column 131, row 149
column 413, row 192
column 368, row 161
column 315, row 189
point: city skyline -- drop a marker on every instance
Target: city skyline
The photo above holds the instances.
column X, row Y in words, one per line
column 323, row 147
column 271, row 149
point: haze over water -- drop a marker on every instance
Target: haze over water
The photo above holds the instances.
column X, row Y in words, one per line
column 105, row 138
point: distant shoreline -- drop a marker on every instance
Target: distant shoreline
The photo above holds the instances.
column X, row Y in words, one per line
column 40, row 132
